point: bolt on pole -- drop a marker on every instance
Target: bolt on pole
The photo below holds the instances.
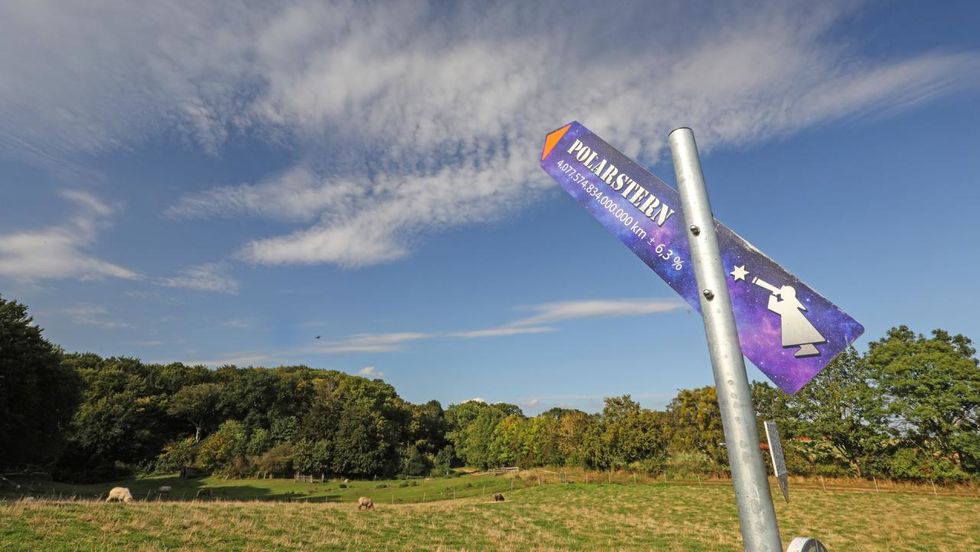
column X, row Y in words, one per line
column 757, row 516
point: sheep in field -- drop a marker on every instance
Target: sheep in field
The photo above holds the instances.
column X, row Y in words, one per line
column 365, row 503
column 164, row 490
column 119, row 494
column 498, row 497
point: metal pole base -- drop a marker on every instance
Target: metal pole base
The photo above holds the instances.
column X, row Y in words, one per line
column 806, row 544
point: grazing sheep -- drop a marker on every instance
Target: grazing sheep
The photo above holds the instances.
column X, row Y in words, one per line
column 365, row 502
column 498, row 497
column 119, row 494
column 204, row 493
column 164, row 490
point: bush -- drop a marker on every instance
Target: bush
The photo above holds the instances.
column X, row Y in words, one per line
column 239, row 466
column 221, row 447
column 690, row 464
column 414, row 462
column 175, row 455
column 277, row 461
column 915, row 465
column 649, row 466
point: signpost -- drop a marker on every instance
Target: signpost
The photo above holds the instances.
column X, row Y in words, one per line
column 778, row 460
column 784, row 327
column 788, row 330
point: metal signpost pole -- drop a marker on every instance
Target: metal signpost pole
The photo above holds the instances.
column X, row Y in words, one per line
column 757, row 515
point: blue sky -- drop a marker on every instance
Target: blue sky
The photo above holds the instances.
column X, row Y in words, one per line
column 224, row 184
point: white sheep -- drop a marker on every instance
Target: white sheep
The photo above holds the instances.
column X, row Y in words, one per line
column 119, row 494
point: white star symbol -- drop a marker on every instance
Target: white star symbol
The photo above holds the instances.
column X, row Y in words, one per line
column 739, row 273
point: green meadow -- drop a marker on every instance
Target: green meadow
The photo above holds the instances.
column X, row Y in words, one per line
column 646, row 515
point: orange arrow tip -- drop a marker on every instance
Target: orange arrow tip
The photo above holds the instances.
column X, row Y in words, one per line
column 551, row 140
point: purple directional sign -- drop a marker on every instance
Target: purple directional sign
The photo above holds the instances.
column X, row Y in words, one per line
column 785, row 328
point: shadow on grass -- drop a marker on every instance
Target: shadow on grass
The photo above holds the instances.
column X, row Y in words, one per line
column 154, row 489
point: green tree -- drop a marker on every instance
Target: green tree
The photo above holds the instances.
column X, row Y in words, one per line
column 217, row 452
column 38, row 393
column 573, row 426
column 695, row 420
column 931, row 391
column 122, row 422
column 631, row 433
column 198, row 404
column 842, row 407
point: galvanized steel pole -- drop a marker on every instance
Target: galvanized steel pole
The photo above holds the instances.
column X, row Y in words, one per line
column 757, row 515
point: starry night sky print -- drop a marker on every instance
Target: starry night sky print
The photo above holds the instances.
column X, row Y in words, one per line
column 759, row 328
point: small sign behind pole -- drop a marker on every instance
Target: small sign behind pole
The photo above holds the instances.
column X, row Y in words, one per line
column 784, row 327
column 778, row 460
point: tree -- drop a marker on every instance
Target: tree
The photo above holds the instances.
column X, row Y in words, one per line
column 198, row 404
column 223, row 446
column 931, row 392
column 841, row 407
column 471, row 428
column 573, row 426
column 631, row 433
column 38, row 393
column 122, row 420
column 696, row 424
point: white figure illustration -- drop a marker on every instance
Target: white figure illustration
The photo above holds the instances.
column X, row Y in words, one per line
column 796, row 329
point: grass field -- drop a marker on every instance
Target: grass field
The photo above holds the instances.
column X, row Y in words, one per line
column 387, row 491
column 617, row 516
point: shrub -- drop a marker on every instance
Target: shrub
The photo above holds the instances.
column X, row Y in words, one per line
column 277, row 461
column 175, row 455
column 222, row 446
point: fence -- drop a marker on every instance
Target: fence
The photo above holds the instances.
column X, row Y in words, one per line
column 308, row 478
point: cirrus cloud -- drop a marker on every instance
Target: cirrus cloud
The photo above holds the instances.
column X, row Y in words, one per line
column 416, row 117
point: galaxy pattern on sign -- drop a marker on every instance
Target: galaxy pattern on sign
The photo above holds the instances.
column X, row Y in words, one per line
column 664, row 248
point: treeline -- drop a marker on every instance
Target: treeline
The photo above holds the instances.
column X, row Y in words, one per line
column 908, row 409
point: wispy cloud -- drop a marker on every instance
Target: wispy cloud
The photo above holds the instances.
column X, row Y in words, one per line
column 371, row 372
column 211, row 277
column 370, row 343
column 93, row 315
column 422, row 116
column 241, row 359
column 501, row 332
column 62, row 251
column 398, row 341
column 569, row 310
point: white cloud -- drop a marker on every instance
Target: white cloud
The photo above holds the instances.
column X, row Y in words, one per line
column 422, row 116
column 148, row 343
column 569, row 310
column 242, row 359
column 371, row 372
column 475, row 399
column 210, row 277
column 369, row 343
column 93, row 315
column 62, row 251
column 501, row 331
